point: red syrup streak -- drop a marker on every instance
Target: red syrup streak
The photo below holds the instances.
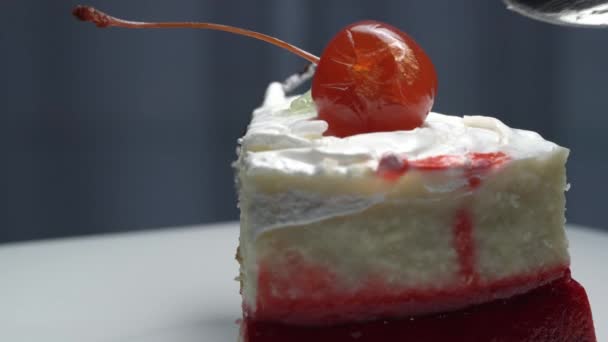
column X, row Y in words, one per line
column 391, row 166
column 475, row 165
column 556, row 312
column 464, row 244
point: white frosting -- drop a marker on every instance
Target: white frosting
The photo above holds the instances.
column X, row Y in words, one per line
column 289, row 139
column 281, row 139
column 299, row 208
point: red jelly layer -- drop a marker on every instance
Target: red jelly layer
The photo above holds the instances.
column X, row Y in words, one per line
column 556, row 312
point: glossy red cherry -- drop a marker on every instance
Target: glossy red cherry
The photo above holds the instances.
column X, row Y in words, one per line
column 373, row 78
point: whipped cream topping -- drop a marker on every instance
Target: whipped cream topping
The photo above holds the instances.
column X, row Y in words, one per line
column 294, row 208
column 285, row 136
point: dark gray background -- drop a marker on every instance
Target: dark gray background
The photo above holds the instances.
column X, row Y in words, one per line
column 112, row 130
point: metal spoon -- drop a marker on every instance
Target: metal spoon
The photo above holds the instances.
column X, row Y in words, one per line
column 584, row 13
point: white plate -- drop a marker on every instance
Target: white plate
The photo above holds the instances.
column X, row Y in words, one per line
column 175, row 285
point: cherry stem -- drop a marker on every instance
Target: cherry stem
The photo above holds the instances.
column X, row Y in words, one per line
column 101, row 19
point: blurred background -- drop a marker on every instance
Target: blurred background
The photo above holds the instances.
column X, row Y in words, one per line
column 114, row 130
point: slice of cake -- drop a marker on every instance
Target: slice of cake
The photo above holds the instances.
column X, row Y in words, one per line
column 389, row 225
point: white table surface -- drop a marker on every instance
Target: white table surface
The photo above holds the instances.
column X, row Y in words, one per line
column 172, row 285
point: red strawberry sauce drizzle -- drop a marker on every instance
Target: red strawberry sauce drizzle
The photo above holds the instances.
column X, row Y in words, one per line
column 475, row 165
column 392, row 166
column 464, row 244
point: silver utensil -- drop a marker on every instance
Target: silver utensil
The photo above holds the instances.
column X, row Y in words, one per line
column 584, row 13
